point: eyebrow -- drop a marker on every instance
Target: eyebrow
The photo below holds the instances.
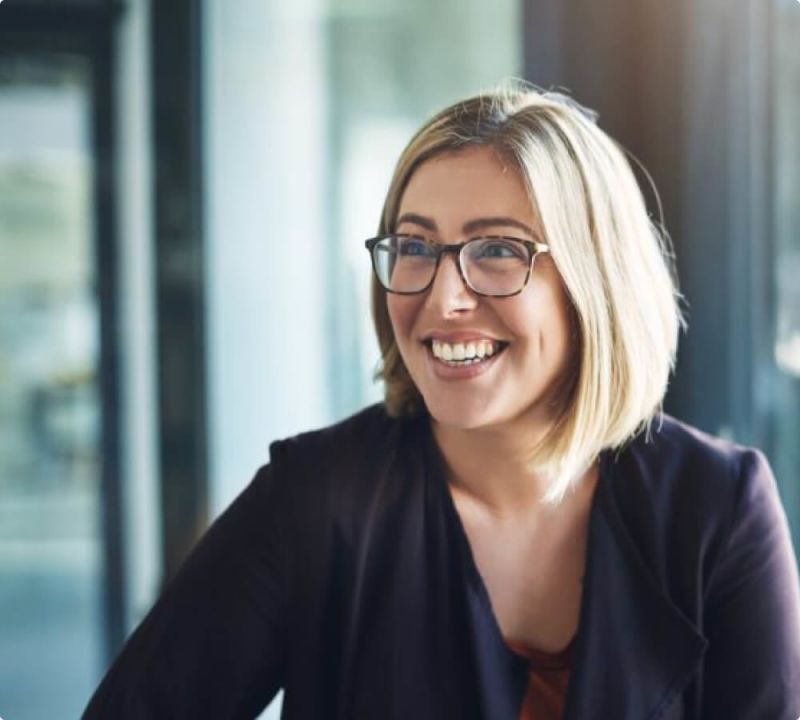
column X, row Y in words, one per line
column 469, row 227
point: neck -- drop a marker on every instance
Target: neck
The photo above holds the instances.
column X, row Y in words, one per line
column 491, row 468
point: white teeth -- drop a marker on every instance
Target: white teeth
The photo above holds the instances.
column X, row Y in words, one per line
column 462, row 353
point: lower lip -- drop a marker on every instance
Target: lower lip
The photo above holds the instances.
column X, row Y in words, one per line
column 448, row 372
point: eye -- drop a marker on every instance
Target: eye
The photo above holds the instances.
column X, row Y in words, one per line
column 499, row 249
column 414, row 247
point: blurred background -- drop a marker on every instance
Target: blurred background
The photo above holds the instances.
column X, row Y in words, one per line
column 184, row 191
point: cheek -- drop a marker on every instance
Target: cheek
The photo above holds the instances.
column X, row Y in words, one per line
column 402, row 311
column 544, row 319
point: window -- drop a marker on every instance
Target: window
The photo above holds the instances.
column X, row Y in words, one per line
column 51, row 570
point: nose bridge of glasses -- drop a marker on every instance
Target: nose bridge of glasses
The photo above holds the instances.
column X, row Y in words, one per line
column 449, row 265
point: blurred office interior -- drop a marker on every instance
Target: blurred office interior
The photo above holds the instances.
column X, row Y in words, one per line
column 184, row 191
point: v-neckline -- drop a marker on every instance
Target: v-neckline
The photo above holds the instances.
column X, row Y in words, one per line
column 473, row 576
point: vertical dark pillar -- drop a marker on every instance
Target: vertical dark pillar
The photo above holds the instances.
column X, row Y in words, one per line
column 177, row 88
column 110, row 361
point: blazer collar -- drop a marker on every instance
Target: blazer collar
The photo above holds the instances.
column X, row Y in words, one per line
column 635, row 650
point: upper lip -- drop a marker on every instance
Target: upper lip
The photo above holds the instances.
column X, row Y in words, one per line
column 458, row 336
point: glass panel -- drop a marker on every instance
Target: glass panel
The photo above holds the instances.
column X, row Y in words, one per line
column 49, row 536
column 787, row 255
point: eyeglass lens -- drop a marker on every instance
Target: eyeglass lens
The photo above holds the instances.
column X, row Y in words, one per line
column 491, row 266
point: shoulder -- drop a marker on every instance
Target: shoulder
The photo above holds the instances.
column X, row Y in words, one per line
column 345, row 460
column 675, row 460
column 370, row 419
column 679, row 494
column 335, row 483
column 347, row 439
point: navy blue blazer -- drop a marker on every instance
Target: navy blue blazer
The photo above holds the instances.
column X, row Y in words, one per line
column 342, row 574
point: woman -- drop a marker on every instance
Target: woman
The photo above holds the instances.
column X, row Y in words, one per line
column 517, row 532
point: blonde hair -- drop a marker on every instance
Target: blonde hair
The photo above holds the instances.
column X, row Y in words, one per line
column 615, row 264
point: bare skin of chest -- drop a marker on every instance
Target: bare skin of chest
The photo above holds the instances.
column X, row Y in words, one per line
column 533, row 571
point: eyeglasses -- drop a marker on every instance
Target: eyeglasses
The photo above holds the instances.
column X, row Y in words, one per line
column 489, row 266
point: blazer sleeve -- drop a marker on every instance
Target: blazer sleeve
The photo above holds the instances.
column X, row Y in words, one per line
column 752, row 609
column 213, row 645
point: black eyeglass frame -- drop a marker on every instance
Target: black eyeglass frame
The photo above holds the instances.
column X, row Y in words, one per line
column 534, row 248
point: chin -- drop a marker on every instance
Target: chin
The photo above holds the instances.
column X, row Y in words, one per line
column 461, row 415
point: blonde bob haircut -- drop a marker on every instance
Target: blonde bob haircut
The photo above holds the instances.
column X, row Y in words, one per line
column 615, row 264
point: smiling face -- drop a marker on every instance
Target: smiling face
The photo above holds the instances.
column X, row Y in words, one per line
column 524, row 340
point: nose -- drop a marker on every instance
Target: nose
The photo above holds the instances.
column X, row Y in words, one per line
column 449, row 294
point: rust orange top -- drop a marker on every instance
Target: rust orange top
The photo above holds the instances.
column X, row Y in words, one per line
column 547, row 684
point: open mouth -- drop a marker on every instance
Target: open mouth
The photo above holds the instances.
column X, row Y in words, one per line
column 465, row 353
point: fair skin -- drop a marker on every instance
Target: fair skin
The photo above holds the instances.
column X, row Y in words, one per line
column 487, row 416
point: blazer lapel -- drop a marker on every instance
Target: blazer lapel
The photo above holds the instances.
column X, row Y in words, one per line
column 501, row 676
column 635, row 651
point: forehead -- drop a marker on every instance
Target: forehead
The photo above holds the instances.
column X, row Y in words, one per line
column 465, row 185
